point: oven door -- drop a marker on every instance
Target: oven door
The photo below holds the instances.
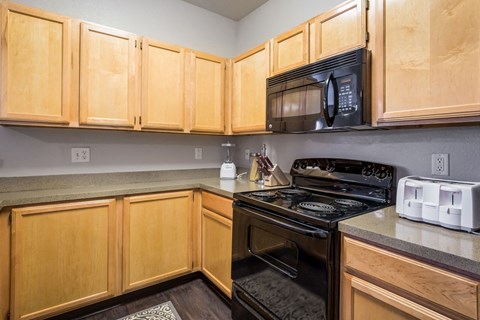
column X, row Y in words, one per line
column 281, row 269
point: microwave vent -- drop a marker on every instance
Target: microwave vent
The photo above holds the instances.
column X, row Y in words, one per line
column 349, row 58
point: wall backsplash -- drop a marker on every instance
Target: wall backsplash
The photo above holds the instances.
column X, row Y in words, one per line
column 45, row 151
column 409, row 150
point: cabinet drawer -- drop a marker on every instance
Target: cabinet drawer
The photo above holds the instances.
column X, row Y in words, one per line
column 217, row 204
column 423, row 281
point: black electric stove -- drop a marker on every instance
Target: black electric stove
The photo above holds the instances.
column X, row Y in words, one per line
column 325, row 191
column 286, row 244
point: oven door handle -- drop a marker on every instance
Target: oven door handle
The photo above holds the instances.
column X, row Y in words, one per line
column 317, row 233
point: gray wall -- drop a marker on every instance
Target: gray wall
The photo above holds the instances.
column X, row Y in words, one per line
column 275, row 17
column 409, row 150
column 45, row 151
column 41, row 151
column 171, row 21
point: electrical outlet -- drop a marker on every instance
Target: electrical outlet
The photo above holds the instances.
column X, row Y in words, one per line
column 198, row 153
column 80, row 154
column 440, row 164
column 247, row 154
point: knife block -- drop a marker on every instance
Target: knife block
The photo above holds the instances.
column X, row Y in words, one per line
column 276, row 178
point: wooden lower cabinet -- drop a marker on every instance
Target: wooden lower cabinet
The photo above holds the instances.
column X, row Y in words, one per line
column 63, row 256
column 378, row 284
column 157, row 238
column 217, row 240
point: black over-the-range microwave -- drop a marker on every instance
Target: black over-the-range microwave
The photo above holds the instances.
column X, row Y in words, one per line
column 327, row 95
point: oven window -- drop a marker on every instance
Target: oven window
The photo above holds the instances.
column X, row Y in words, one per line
column 275, row 250
column 297, row 102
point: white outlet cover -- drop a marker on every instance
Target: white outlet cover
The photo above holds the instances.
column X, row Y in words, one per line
column 80, row 154
column 198, row 153
column 440, row 164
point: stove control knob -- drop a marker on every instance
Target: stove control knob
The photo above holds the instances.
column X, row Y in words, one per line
column 381, row 173
column 304, row 165
column 330, row 167
column 367, row 171
column 296, row 165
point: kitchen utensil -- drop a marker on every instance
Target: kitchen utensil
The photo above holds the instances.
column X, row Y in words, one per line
column 451, row 204
column 228, row 169
column 253, row 171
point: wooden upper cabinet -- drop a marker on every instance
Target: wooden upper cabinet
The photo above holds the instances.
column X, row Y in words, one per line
column 35, row 65
column 290, row 50
column 427, row 61
column 64, row 256
column 163, row 86
column 249, row 74
column 341, row 29
column 108, row 62
column 206, row 92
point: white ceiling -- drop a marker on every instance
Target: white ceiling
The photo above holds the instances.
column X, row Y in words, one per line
column 232, row 9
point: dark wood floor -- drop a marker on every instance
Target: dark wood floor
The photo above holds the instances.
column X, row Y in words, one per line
column 194, row 300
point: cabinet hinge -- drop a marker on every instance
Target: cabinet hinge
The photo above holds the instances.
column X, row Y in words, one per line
column 367, row 36
column 134, row 120
column 140, row 120
column 135, row 43
column 141, row 45
column 8, row 315
column 367, row 4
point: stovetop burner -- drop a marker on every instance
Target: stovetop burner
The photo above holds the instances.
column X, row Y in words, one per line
column 325, row 191
column 349, row 203
column 293, row 193
column 264, row 194
column 318, row 207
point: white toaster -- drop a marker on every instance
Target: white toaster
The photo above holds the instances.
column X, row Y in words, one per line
column 452, row 204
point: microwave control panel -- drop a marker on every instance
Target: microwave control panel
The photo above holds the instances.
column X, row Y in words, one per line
column 347, row 102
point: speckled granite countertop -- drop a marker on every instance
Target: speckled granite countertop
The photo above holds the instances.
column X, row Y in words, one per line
column 44, row 189
column 454, row 249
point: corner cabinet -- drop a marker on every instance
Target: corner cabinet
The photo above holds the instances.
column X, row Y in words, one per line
column 63, row 256
column 163, row 86
column 157, row 238
column 35, row 66
column 249, row 74
column 108, row 69
column 338, row 30
column 379, row 284
column 206, row 92
column 216, row 248
column 427, row 61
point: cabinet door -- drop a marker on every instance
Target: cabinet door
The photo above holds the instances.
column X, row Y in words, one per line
column 107, row 76
column 250, row 72
column 206, row 92
column 363, row 300
column 290, row 49
column 427, row 61
column 341, row 29
column 157, row 238
column 35, row 65
column 163, row 86
column 63, row 256
column 217, row 249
